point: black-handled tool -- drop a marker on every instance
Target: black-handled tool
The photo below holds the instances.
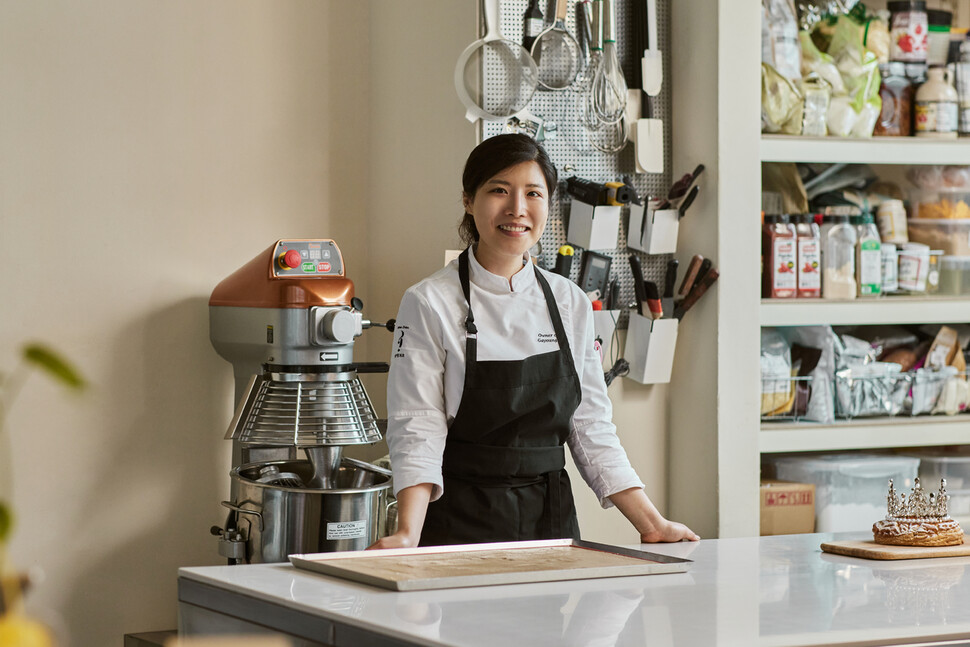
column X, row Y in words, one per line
column 614, row 295
column 670, row 278
column 564, row 260
column 689, row 200
column 637, row 270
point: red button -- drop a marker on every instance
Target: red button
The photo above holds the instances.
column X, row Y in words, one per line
column 323, row 267
column 290, row 259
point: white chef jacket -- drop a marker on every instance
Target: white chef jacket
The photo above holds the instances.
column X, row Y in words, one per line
column 427, row 374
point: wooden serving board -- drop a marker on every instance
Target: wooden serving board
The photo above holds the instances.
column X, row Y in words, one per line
column 438, row 567
column 872, row 550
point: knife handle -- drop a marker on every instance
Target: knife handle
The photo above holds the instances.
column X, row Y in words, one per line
column 699, row 290
column 692, row 269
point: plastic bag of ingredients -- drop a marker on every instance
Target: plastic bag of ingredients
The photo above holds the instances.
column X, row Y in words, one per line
column 955, row 396
column 821, row 398
column 781, row 103
column 779, row 38
column 777, row 395
column 927, row 387
column 859, row 69
column 817, row 94
column 815, row 61
column 877, row 389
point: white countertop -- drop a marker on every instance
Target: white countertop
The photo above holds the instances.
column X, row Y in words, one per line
column 750, row 591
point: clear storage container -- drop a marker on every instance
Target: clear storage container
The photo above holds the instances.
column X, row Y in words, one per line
column 955, row 275
column 950, row 235
column 947, row 203
column 850, row 489
column 952, row 466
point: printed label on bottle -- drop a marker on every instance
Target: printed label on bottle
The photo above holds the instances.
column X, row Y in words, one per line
column 890, row 264
column 809, row 265
column 870, row 268
column 936, row 116
column 347, row 530
column 783, row 272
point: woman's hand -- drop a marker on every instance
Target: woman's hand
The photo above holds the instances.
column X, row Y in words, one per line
column 397, row 540
column 412, row 505
column 669, row 531
column 652, row 526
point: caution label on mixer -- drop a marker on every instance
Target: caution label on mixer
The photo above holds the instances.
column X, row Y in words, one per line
column 347, row 530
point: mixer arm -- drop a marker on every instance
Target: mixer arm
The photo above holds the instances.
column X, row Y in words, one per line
column 389, row 325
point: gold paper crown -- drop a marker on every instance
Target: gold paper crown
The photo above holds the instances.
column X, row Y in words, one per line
column 919, row 504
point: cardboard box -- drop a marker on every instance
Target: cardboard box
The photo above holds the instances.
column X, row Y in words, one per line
column 787, row 508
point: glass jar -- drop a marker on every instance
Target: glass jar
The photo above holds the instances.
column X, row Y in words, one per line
column 838, row 259
column 896, row 92
column 908, row 31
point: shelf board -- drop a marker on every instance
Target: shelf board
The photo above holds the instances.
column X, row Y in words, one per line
column 866, row 433
column 875, row 150
column 884, row 310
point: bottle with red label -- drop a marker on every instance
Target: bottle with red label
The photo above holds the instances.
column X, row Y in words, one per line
column 778, row 248
column 809, row 257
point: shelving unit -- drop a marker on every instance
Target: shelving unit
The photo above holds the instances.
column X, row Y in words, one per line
column 875, row 150
column 716, row 438
column 865, row 433
column 897, row 310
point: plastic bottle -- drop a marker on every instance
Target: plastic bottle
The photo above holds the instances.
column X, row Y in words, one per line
column 838, row 259
column 779, row 275
column 936, row 107
column 868, row 259
column 809, row 256
column 962, row 73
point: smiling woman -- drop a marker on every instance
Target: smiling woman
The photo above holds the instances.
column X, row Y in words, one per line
column 494, row 372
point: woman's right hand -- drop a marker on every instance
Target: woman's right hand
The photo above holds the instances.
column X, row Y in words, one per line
column 412, row 505
column 399, row 539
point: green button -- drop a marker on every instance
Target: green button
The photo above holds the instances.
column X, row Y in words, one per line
column 309, row 267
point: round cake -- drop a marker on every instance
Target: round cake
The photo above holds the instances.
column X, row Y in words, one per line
column 918, row 531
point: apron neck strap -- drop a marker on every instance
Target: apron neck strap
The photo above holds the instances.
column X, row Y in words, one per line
column 470, row 327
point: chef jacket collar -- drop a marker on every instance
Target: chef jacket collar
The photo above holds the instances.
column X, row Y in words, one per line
column 499, row 284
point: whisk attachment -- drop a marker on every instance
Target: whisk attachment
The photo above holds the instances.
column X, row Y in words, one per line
column 271, row 475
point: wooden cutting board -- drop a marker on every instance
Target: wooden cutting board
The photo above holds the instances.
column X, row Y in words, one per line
column 872, row 550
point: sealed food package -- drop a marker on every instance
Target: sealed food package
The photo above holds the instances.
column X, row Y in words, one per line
column 781, row 103
column 955, row 396
column 820, row 401
column 860, row 72
column 927, row 386
column 877, row 389
column 817, row 93
column 777, row 396
column 779, row 38
column 815, row 61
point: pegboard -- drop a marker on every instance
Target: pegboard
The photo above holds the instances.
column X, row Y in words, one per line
column 571, row 151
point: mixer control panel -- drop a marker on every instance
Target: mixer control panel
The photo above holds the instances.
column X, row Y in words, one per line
column 307, row 258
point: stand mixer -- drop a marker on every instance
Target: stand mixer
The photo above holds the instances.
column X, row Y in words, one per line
column 287, row 321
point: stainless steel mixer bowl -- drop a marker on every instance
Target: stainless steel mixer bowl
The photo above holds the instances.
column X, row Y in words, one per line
column 279, row 521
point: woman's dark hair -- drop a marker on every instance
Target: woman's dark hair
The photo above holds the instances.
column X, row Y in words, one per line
column 493, row 156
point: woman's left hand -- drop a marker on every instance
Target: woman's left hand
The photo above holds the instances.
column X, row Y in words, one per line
column 669, row 531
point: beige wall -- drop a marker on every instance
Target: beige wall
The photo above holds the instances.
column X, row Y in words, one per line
column 148, row 149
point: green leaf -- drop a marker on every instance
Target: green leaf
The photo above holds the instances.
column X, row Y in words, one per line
column 55, row 366
column 6, row 522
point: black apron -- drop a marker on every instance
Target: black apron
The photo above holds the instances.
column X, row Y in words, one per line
column 503, row 465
